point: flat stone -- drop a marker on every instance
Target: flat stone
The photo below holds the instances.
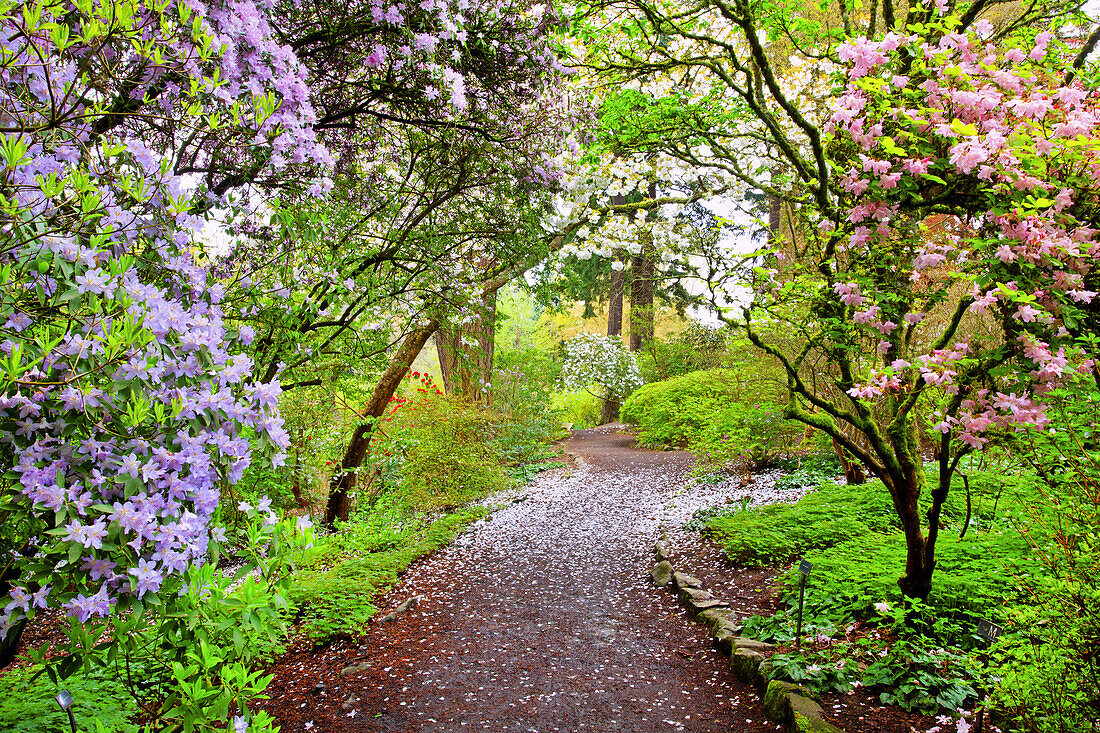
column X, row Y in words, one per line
column 660, row 550
column 661, row 573
column 351, row 702
column 710, row 603
column 683, row 580
column 743, row 642
column 390, row 617
column 715, row 618
column 808, row 717
column 687, row 595
column 745, row 664
column 354, row 668
column 408, row 604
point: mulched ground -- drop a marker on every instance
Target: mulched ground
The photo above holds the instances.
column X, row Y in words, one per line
column 542, row 620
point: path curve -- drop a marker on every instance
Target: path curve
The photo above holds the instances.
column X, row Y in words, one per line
column 537, row 619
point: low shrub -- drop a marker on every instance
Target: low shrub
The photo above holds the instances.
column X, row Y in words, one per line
column 746, row 438
column 677, row 411
column 775, row 533
column 579, row 409
column 436, row 452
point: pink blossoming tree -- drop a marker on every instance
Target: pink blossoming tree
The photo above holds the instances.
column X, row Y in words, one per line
column 935, row 275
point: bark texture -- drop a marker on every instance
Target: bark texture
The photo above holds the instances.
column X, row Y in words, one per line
column 642, row 288
column 610, row 411
column 468, row 370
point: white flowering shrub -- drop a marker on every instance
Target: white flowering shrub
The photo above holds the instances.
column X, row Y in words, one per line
column 601, row 365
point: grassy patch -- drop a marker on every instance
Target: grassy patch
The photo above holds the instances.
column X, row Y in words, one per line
column 337, row 586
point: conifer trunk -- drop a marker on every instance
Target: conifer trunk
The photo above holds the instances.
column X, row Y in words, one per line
column 610, row 411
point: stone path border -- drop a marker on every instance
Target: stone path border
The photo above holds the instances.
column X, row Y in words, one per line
column 784, row 702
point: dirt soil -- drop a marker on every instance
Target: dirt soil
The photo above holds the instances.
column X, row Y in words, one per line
column 541, row 618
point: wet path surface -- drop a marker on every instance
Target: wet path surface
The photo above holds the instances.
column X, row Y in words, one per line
column 539, row 618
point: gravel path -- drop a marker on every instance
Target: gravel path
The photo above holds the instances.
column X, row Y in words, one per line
column 540, row 618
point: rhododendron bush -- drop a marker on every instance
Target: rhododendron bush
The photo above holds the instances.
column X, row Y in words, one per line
column 600, row 364
column 933, row 179
column 125, row 400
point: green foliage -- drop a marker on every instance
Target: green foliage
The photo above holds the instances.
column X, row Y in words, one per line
column 805, row 479
column 775, row 533
column 675, row 412
column 527, row 472
column 702, row 518
column 817, row 671
column 318, row 424
column 919, row 677
column 27, row 705
column 911, row 673
column 930, row 659
column 747, row 438
column 697, row 348
column 336, row 586
column 580, row 409
column 434, row 452
column 524, row 379
column 1049, row 673
column 195, row 647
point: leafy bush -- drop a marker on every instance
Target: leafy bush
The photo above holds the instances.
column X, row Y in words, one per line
column 1049, row 672
column 677, row 411
column 580, row 409
column 99, row 697
column 522, row 379
column 817, row 671
column 434, row 452
column 746, row 437
column 918, row 677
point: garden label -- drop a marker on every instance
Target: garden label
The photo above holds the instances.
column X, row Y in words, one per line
column 988, row 630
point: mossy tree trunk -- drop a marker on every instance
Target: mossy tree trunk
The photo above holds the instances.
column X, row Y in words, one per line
column 343, row 482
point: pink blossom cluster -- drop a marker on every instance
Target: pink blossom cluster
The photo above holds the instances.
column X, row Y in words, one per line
column 997, row 126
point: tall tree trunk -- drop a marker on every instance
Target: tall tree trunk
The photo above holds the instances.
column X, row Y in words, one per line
column 610, row 412
column 446, row 348
column 642, row 288
column 343, row 482
column 774, row 217
column 468, row 370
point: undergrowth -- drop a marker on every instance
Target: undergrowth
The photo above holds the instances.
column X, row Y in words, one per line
column 101, row 703
column 337, row 585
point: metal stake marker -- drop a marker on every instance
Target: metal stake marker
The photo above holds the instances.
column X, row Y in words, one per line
column 804, row 568
column 65, row 701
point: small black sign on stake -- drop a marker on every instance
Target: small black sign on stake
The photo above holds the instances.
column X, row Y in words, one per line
column 804, row 568
column 988, row 630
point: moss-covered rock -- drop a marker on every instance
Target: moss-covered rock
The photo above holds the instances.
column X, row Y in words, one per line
column 745, row 665
column 661, row 573
column 777, row 699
